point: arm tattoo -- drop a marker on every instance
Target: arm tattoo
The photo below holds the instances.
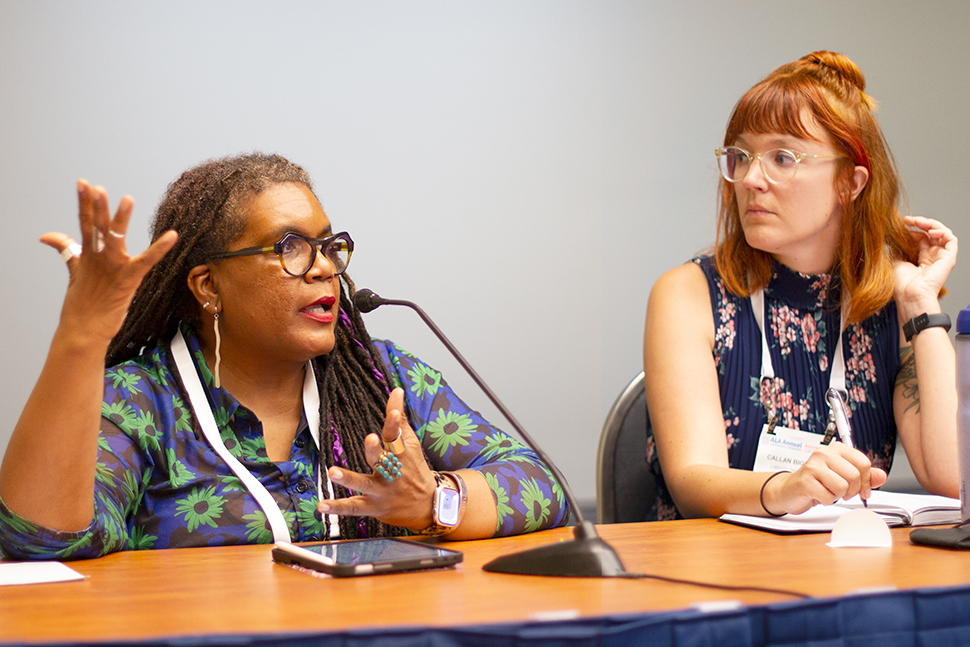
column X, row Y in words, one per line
column 906, row 378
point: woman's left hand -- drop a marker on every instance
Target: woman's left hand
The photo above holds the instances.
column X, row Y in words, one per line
column 404, row 501
column 919, row 285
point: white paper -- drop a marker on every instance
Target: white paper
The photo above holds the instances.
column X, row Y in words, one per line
column 860, row 528
column 36, row 573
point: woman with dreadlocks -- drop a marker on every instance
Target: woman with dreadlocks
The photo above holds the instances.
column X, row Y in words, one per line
column 243, row 400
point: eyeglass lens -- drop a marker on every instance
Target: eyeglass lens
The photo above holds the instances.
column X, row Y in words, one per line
column 778, row 164
column 298, row 254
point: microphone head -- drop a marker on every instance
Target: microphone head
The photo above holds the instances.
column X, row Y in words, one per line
column 366, row 300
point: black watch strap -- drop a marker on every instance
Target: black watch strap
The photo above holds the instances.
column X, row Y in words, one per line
column 921, row 322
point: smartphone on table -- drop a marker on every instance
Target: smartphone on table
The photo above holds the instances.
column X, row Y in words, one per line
column 366, row 556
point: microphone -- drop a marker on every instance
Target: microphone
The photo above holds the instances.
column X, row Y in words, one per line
column 586, row 555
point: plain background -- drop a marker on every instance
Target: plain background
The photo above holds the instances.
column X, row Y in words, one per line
column 524, row 170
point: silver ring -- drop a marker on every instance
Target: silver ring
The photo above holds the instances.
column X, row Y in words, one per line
column 115, row 234
column 98, row 240
column 70, row 251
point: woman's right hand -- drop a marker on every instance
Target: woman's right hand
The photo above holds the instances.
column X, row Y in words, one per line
column 103, row 277
column 832, row 472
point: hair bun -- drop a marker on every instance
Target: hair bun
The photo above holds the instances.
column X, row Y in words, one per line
column 841, row 65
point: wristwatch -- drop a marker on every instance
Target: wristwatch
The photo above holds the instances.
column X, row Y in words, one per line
column 921, row 322
column 448, row 504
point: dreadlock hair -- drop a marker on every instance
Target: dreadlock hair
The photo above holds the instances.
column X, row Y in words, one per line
column 206, row 206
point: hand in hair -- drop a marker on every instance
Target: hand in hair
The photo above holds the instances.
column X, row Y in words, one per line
column 918, row 286
column 405, row 501
column 103, row 278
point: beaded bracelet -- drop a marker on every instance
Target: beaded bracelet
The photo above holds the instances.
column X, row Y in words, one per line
column 761, row 496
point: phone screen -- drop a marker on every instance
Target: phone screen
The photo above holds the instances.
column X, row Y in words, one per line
column 375, row 551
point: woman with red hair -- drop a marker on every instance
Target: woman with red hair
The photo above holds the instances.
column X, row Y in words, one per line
column 819, row 297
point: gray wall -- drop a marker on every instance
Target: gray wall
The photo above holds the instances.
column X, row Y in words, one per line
column 524, row 170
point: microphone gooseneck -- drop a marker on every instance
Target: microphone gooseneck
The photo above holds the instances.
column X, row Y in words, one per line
column 586, row 555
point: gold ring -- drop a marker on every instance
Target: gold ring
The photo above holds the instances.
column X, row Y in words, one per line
column 397, row 445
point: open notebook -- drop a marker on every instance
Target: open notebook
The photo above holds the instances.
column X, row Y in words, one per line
column 898, row 509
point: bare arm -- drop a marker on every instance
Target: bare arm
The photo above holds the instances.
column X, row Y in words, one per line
column 57, row 433
column 925, row 400
column 685, row 410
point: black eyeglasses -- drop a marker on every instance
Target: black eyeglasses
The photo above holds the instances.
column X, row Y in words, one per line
column 298, row 253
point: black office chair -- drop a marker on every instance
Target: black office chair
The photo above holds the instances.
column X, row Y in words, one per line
column 625, row 486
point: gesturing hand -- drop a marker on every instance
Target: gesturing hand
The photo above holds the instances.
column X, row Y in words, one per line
column 103, row 277
column 403, row 501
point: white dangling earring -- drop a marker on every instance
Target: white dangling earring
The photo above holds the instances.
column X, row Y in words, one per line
column 215, row 327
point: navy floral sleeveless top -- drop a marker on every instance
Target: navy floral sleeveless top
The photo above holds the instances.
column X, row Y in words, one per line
column 802, row 321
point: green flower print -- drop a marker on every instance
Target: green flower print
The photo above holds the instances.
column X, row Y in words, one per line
column 124, row 381
column 500, row 445
column 307, row 517
column 501, row 499
column 147, row 432
column 119, row 413
column 178, row 474
column 231, row 483
column 182, row 417
column 537, row 505
column 257, row 530
column 201, row 507
column 425, row 380
column 448, row 430
column 138, row 540
column 157, row 373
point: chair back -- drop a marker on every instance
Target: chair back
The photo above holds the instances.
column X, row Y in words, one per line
column 625, row 486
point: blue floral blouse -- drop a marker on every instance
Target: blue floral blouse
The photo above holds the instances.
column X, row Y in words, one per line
column 160, row 485
column 802, row 321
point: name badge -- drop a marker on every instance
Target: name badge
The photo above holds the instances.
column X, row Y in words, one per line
column 784, row 449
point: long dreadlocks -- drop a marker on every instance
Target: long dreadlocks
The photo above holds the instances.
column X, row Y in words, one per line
column 205, row 205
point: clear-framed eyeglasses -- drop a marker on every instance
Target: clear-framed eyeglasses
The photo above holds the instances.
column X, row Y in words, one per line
column 298, row 253
column 778, row 164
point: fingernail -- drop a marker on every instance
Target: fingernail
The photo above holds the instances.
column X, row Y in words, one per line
column 336, row 474
column 323, row 508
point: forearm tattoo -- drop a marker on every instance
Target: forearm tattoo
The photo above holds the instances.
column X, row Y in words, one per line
column 906, row 378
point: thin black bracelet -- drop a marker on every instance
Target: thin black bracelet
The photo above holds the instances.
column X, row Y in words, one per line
column 761, row 496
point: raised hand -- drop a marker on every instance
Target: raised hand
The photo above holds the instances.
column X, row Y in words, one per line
column 103, row 276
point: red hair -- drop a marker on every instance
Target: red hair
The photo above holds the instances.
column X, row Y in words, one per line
column 831, row 88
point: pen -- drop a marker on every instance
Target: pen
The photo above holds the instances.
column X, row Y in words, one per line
column 837, row 405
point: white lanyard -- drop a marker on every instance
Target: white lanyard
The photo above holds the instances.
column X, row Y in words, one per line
column 198, row 401
column 836, row 377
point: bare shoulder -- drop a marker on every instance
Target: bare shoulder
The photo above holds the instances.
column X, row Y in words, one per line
column 683, row 287
column 679, row 312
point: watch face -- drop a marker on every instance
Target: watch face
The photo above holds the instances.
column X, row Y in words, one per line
column 449, row 502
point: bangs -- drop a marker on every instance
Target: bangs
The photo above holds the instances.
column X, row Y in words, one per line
column 774, row 106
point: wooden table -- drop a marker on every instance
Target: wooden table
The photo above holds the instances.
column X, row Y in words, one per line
column 239, row 590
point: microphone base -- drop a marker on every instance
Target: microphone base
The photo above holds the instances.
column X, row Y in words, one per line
column 584, row 556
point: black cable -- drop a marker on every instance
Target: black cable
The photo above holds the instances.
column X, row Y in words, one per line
column 723, row 587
